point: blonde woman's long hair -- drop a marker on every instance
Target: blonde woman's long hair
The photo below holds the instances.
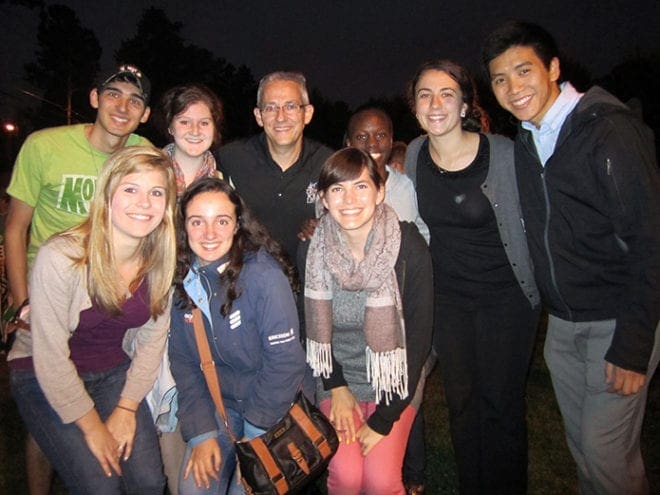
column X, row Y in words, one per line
column 157, row 250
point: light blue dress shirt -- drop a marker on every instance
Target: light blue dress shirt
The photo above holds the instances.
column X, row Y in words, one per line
column 545, row 136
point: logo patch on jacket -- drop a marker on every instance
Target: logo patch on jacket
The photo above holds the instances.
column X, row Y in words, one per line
column 282, row 338
column 311, row 193
column 235, row 319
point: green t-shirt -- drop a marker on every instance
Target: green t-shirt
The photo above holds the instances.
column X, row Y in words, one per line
column 55, row 173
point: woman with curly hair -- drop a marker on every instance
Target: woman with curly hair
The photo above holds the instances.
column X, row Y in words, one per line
column 236, row 275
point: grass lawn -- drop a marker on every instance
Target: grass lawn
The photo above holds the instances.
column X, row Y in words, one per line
column 551, row 469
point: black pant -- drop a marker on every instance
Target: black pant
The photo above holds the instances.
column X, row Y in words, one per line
column 484, row 347
column 414, row 461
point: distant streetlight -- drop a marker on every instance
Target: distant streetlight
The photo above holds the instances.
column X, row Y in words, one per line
column 10, row 129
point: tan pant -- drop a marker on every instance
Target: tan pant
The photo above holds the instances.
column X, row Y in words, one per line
column 172, row 450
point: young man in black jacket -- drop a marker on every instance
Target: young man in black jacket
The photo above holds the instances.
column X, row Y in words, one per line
column 590, row 195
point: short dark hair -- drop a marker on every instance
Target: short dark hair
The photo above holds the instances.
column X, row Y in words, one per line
column 475, row 115
column 179, row 98
column 347, row 164
column 519, row 33
column 361, row 112
column 398, row 151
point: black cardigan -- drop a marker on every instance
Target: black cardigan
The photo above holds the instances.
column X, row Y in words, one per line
column 415, row 278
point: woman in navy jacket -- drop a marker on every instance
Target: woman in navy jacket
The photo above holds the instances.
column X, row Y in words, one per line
column 235, row 274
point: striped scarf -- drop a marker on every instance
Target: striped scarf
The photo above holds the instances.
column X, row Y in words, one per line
column 208, row 169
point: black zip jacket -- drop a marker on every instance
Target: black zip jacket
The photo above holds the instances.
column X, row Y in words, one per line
column 592, row 217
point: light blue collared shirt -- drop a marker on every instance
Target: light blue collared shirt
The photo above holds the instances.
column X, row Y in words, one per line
column 546, row 135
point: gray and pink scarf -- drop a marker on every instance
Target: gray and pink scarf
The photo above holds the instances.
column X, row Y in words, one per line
column 328, row 260
column 208, row 169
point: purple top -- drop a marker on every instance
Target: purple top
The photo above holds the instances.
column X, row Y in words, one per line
column 96, row 345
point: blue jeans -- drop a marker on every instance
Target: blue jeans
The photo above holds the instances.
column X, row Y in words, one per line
column 227, row 482
column 65, row 446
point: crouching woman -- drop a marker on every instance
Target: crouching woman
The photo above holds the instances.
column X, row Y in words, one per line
column 95, row 290
column 236, row 275
column 368, row 320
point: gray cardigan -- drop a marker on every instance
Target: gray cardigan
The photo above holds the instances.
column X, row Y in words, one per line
column 501, row 190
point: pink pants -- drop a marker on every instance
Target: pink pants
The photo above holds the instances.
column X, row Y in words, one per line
column 378, row 473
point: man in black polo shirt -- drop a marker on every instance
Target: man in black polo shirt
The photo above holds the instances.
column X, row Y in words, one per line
column 276, row 171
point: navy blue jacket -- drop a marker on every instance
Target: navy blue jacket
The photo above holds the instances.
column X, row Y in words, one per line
column 256, row 348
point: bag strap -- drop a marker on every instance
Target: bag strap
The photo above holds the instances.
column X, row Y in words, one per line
column 208, row 368
column 311, row 431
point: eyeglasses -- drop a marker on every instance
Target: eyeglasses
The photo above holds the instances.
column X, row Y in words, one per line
column 289, row 108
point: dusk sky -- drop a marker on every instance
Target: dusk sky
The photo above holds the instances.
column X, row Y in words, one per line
column 349, row 49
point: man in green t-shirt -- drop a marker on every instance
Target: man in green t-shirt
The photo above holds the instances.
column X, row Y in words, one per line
column 55, row 172
column 53, row 180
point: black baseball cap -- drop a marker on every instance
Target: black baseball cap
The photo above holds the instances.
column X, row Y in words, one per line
column 127, row 73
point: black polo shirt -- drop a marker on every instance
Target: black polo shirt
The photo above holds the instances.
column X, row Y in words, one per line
column 280, row 200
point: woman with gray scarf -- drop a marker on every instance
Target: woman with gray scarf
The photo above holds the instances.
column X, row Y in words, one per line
column 368, row 312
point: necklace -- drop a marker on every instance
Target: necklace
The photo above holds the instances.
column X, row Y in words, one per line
column 437, row 160
column 95, row 154
column 459, row 161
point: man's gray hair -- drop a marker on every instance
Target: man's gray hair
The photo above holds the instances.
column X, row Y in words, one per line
column 280, row 75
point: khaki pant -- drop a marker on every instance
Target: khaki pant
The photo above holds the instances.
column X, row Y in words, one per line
column 602, row 428
column 172, row 450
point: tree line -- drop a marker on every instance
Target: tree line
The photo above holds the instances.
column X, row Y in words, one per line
column 67, row 62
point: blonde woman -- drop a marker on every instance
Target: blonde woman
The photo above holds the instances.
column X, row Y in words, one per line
column 97, row 289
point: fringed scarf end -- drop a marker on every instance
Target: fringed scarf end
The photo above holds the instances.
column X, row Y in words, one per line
column 388, row 373
column 319, row 358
